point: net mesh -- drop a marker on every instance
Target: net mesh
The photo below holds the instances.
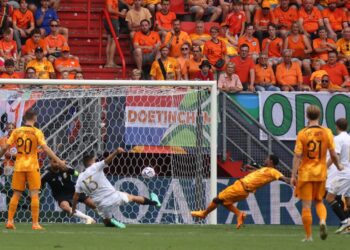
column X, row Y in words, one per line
column 167, row 129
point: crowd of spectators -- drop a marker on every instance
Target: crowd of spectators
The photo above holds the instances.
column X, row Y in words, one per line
column 255, row 45
column 33, row 44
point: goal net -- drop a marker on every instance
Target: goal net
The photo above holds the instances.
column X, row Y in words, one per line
column 166, row 128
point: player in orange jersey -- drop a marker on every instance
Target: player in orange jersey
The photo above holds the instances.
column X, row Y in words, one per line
column 241, row 188
column 27, row 140
column 309, row 172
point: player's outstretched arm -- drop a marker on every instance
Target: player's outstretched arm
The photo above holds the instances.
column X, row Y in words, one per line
column 75, row 202
column 335, row 159
column 110, row 158
column 53, row 156
column 285, row 179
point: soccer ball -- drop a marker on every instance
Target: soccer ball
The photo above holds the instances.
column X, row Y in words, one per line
column 148, row 172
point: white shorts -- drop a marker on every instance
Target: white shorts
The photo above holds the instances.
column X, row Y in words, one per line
column 341, row 184
column 108, row 209
column 331, row 175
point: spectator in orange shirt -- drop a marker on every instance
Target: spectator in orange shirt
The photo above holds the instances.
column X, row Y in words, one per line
column 199, row 37
column 8, row 47
column 67, row 63
column 192, row 65
column 55, row 42
column 285, row 15
column 23, row 23
column 327, row 86
column 251, row 41
column 146, row 45
column 10, row 73
column 215, row 50
column 236, row 19
column 343, row 46
column 135, row 16
column 288, row 73
column 337, row 72
column 185, row 56
column 300, row 46
column 265, row 79
column 165, row 68
column 32, row 43
column 310, row 19
column 246, row 70
column 334, row 19
column 262, row 18
column 203, row 7
column 229, row 81
column 272, row 46
column 164, row 19
column 176, row 38
column 43, row 67
column 322, row 45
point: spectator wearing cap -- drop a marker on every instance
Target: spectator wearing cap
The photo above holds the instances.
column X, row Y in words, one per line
column 55, row 42
column 343, row 47
column 322, row 45
column 262, row 18
column 135, row 16
column 10, row 73
column 265, row 79
column 310, row 19
column 67, row 63
column 166, row 67
column 215, row 50
column 176, row 38
column 203, row 7
column 230, row 41
column 204, row 73
column 337, row 71
column 228, row 81
column 164, row 19
column 43, row 67
column 199, row 37
column 334, row 19
column 285, row 15
column 146, row 45
column 23, row 23
column 251, row 41
column 272, row 46
column 43, row 17
column 8, row 47
column 192, row 65
column 236, row 19
column 246, row 70
column 32, row 43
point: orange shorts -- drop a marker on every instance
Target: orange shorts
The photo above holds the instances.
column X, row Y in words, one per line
column 233, row 193
column 20, row 179
column 310, row 190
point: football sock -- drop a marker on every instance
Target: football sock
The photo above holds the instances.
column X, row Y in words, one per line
column 35, row 209
column 149, row 202
column 233, row 209
column 321, row 210
column 13, row 207
column 338, row 210
column 210, row 208
column 307, row 221
column 339, row 198
column 81, row 215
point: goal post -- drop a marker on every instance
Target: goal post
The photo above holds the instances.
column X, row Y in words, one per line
column 169, row 125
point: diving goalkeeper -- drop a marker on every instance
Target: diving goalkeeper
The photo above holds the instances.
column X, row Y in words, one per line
column 241, row 188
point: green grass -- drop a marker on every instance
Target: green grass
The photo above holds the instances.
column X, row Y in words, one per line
column 78, row 236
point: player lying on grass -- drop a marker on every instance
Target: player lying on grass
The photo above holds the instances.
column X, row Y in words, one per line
column 95, row 184
column 241, row 188
column 62, row 188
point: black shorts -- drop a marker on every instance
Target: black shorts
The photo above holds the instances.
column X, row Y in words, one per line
column 69, row 198
column 115, row 24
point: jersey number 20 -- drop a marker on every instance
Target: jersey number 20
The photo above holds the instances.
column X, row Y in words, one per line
column 24, row 146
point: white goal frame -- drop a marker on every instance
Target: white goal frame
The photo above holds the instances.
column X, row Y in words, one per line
column 111, row 83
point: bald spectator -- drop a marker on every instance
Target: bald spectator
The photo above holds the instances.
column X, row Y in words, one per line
column 176, row 38
column 343, row 46
column 310, row 19
column 265, row 79
column 337, row 72
column 229, row 81
column 288, row 73
column 285, row 15
column 135, row 16
column 334, row 19
column 202, row 7
column 199, row 37
column 164, row 19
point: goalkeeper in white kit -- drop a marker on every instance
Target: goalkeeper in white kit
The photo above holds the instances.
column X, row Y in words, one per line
column 95, row 184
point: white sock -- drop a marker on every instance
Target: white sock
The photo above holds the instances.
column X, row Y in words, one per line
column 81, row 215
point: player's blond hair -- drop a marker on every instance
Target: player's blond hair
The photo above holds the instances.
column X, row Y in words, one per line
column 313, row 112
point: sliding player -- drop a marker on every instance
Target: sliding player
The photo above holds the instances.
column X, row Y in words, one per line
column 338, row 184
column 94, row 183
column 62, row 188
column 27, row 139
column 241, row 188
column 310, row 169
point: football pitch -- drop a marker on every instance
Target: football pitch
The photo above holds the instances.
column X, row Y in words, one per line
column 79, row 236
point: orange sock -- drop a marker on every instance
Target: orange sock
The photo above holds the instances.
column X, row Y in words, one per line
column 212, row 206
column 307, row 220
column 233, row 209
column 13, row 207
column 321, row 210
column 35, row 209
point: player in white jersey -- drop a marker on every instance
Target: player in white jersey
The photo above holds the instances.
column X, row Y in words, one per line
column 339, row 181
column 95, row 184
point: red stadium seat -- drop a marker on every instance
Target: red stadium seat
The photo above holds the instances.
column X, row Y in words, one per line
column 189, row 27
column 208, row 25
column 178, row 6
